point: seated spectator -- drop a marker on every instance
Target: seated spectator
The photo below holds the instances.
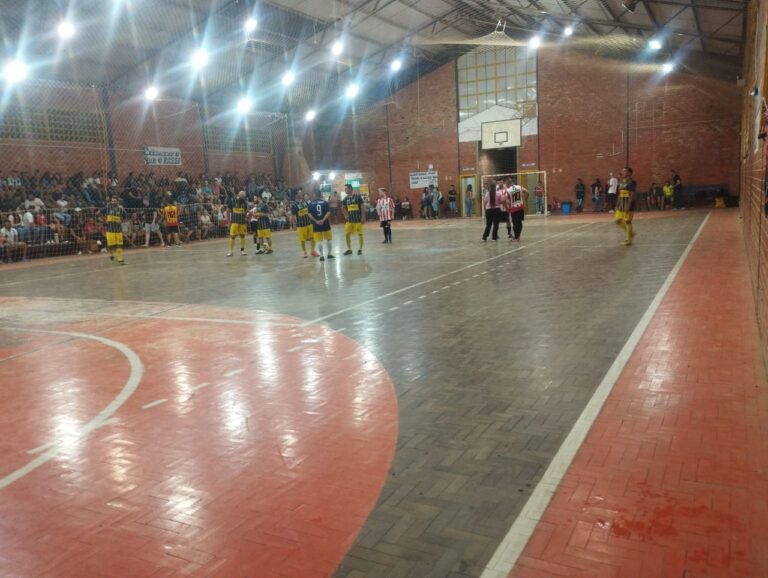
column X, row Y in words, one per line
column 11, row 244
column 206, row 224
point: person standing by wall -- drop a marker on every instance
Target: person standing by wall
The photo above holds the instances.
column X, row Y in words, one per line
column 452, row 196
column 538, row 191
column 677, row 191
column 625, row 205
column 597, row 195
column 385, row 209
column 613, row 187
column 580, row 190
column 667, row 191
column 469, row 197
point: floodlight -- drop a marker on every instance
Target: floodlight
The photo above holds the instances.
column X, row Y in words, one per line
column 332, row 176
column 396, row 65
column 310, row 116
column 199, row 58
column 288, row 78
column 353, row 90
column 151, row 93
column 655, row 44
column 568, row 31
column 315, row 176
column 251, row 24
column 66, row 29
column 534, row 42
column 14, row 71
column 337, row 48
column 667, row 67
column 244, row 105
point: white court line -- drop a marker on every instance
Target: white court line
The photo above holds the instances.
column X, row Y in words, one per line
column 443, row 275
column 294, row 349
column 395, row 308
column 408, row 302
column 201, row 386
column 205, row 319
column 137, row 371
column 44, row 447
column 514, row 542
column 233, row 372
column 422, row 296
column 153, row 403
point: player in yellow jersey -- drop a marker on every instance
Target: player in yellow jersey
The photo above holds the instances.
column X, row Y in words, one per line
column 300, row 212
column 352, row 206
column 263, row 230
column 238, row 207
column 625, row 204
column 114, row 215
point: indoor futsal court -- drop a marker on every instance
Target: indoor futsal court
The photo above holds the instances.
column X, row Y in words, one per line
column 383, row 289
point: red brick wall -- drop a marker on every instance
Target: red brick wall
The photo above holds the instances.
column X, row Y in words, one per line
column 135, row 123
column 680, row 121
column 164, row 123
column 753, row 169
column 28, row 155
column 421, row 121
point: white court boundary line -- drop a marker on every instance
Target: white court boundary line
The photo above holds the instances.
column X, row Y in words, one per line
column 504, row 559
column 442, row 275
column 54, row 448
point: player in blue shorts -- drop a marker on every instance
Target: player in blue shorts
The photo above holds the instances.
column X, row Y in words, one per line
column 320, row 215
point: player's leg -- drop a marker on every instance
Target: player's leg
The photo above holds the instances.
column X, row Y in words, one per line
column 328, row 236
column 348, row 237
column 508, row 218
column 241, row 232
column 119, row 248
column 360, row 238
column 232, row 235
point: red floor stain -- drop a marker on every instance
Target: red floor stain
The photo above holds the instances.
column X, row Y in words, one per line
column 673, row 477
column 268, row 470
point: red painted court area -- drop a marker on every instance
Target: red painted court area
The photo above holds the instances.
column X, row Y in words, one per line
column 673, row 477
column 203, row 441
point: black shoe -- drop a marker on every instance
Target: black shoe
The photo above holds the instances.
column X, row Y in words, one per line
column 384, row 242
column 331, row 257
column 359, row 251
column 348, row 252
column 322, row 258
column 111, row 257
column 121, row 262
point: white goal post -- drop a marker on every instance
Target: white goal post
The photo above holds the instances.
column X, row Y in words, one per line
column 528, row 180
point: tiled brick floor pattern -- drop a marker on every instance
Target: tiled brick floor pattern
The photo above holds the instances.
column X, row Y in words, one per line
column 492, row 361
column 672, row 480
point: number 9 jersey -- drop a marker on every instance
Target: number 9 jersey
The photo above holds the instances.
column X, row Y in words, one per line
column 319, row 209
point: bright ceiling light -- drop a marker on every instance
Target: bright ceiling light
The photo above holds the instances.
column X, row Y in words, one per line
column 353, row 90
column 337, row 48
column 396, row 65
column 244, row 105
column 667, row 67
column 655, row 44
column 332, row 176
column 288, row 78
column 251, row 24
column 199, row 59
column 310, row 116
column 151, row 93
column 568, row 31
column 14, row 71
column 534, row 42
column 66, row 29
column 315, row 176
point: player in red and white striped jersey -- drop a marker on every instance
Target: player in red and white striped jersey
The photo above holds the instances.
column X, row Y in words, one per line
column 385, row 208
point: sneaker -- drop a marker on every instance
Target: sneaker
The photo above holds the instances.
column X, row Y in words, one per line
column 331, row 257
column 111, row 257
column 384, row 242
column 359, row 251
column 269, row 251
column 348, row 252
column 305, row 254
column 315, row 254
column 121, row 262
column 323, row 258
column 626, row 243
column 229, row 254
column 260, row 252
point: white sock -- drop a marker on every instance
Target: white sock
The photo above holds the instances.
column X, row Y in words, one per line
column 320, row 248
column 328, row 244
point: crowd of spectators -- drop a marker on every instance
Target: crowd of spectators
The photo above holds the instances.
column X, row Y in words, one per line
column 51, row 213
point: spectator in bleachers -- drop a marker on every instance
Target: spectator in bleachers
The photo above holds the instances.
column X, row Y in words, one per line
column 12, row 246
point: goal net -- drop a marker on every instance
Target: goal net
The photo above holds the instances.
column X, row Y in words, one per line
column 529, row 180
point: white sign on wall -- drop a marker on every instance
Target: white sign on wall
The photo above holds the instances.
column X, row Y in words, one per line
column 162, row 156
column 421, row 179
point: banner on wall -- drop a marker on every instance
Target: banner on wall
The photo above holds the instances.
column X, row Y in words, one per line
column 163, row 156
column 421, row 179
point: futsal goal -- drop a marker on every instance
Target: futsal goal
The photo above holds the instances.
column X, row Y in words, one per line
column 528, row 180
